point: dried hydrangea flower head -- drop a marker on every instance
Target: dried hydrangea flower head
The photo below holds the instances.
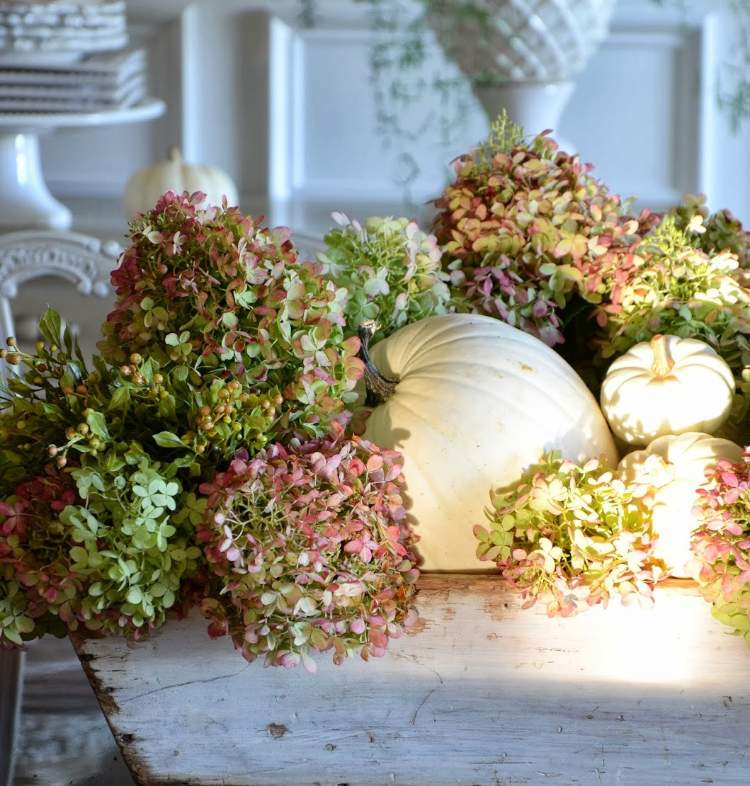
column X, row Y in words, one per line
column 211, row 295
column 672, row 286
column 721, row 231
column 96, row 531
column 83, row 548
column 524, row 226
column 391, row 270
column 573, row 536
column 722, row 543
column 312, row 552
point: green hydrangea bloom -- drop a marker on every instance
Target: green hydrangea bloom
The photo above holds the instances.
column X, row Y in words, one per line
column 391, row 270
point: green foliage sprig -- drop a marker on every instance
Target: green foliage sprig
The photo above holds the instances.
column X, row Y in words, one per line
column 89, row 534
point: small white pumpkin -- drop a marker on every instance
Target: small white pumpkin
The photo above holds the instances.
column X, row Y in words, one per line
column 476, row 402
column 669, row 385
column 145, row 186
column 672, row 469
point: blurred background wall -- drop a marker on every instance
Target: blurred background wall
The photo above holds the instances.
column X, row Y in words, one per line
column 291, row 113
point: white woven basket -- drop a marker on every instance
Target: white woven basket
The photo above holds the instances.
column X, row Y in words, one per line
column 529, row 40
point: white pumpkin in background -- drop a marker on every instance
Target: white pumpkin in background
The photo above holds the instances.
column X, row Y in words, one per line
column 672, row 469
column 476, row 402
column 669, row 385
column 145, row 186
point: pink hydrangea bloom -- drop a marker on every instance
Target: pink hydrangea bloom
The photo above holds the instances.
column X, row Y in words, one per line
column 312, row 550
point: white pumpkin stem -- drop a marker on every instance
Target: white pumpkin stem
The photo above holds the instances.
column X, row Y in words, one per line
column 663, row 363
column 379, row 387
column 174, row 154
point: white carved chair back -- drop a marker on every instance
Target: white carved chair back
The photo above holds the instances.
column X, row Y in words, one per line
column 25, row 256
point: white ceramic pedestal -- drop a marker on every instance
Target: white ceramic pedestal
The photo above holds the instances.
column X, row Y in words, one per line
column 536, row 106
column 25, row 200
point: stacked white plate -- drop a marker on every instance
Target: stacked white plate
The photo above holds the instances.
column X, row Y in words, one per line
column 100, row 82
column 58, row 32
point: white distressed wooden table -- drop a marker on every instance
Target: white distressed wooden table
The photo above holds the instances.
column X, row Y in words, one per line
column 486, row 694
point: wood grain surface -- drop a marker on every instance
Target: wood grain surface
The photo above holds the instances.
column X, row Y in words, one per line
column 486, row 693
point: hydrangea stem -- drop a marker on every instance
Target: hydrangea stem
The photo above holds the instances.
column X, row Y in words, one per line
column 379, row 387
column 663, row 363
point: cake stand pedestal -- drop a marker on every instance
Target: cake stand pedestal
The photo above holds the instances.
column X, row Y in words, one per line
column 25, row 200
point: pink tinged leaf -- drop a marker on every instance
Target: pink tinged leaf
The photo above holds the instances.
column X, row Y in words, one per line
column 309, row 664
column 251, row 636
column 289, row 660
column 353, row 546
column 412, row 618
column 378, row 639
column 734, row 528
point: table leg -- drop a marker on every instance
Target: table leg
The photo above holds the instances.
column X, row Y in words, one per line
column 11, row 680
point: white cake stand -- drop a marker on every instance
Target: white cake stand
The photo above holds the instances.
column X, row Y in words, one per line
column 25, row 200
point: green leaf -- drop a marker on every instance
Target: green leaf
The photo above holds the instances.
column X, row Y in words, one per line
column 68, row 340
column 50, row 326
column 166, row 439
column 120, row 399
column 78, row 554
column 167, row 406
column 229, row 320
column 24, row 624
column 134, row 595
column 97, row 423
column 12, row 635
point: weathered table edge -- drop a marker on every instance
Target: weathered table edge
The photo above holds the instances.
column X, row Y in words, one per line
column 433, row 583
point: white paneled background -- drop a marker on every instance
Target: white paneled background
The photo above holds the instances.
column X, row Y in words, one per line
column 290, row 114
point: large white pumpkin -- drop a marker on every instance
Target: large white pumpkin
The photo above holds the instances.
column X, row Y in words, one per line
column 145, row 186
column 672, row 469
column 669, row 385
column 476, row 403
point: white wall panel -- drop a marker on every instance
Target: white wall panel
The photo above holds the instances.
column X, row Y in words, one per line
column 291, row 113
column 635, row 114
column 338, row 152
